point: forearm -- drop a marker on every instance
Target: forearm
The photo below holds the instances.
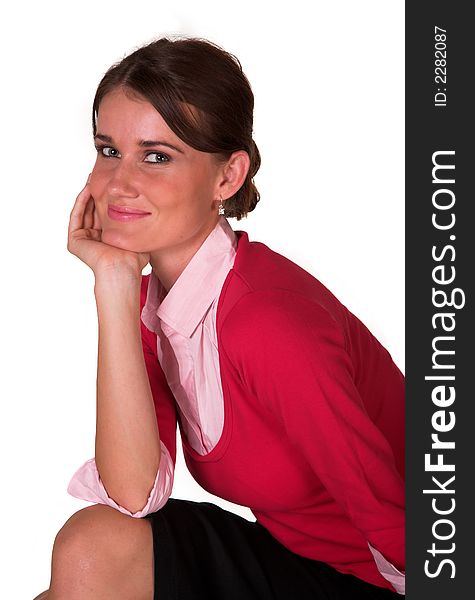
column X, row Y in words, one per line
column 127, row 437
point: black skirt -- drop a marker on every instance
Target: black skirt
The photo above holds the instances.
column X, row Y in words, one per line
column 203, row 552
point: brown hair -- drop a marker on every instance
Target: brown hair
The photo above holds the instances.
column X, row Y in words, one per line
column 202, row 94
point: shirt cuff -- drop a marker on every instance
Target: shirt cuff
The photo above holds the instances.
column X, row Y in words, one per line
column 86, row 485
column 395, row 577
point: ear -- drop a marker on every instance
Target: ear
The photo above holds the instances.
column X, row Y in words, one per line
column 232, row 174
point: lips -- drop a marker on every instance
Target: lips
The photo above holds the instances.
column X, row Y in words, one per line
column 129, row 210
column 125, row 213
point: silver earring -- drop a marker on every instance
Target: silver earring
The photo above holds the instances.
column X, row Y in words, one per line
column 220, row 207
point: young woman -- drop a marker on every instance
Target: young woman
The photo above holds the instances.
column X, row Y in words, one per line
column 286, row 403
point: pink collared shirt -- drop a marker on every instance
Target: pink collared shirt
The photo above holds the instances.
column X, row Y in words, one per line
column 185, row 324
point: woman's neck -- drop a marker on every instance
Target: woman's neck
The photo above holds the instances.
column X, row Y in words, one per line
column 168, row 264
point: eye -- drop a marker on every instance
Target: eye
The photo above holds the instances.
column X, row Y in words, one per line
column 157, row 157
column 108, row 151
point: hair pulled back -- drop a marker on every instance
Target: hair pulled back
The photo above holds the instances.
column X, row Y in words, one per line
column 202, row 94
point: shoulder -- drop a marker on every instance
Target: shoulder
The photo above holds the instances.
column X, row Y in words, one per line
column 267, row 292
column 260, row 266
column 282, row 307
column 262, row 269
column 276, row 321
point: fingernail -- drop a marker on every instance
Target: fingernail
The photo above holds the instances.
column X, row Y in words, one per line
column 89, row 178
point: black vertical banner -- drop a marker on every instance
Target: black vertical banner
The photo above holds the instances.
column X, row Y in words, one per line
column 440, row 267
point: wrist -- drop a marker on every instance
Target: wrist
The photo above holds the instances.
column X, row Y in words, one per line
column 115, row 285
column 124, row 276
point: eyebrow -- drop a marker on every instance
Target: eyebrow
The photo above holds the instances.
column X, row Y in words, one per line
column 142, row 143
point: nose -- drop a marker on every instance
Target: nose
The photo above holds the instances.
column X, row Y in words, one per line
column 121, row 181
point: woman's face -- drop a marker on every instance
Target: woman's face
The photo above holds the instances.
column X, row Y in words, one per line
column 151, row 190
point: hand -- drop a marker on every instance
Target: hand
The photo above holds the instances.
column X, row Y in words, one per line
column 85, row 242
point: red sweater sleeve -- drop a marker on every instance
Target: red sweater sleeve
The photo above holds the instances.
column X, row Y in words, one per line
column 292, row 354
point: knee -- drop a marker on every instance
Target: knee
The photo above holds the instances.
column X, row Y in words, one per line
column 95, row 537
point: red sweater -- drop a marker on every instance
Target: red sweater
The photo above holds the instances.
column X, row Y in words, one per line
column 313, row 437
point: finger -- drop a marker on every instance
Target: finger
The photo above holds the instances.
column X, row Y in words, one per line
column 88, row 219
column 93, row 234
column 80, row 204
column 77, row 213
column 96, row 223
column 78, row 244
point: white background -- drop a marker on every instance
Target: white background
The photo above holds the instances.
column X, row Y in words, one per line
column 329, row 92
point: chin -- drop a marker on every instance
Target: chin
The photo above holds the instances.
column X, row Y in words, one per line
column 119, row 240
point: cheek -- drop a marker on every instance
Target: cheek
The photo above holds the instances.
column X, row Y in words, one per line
column 97, row 183
column 96, row 186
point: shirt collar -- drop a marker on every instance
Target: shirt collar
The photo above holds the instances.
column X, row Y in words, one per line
column 199, row 284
